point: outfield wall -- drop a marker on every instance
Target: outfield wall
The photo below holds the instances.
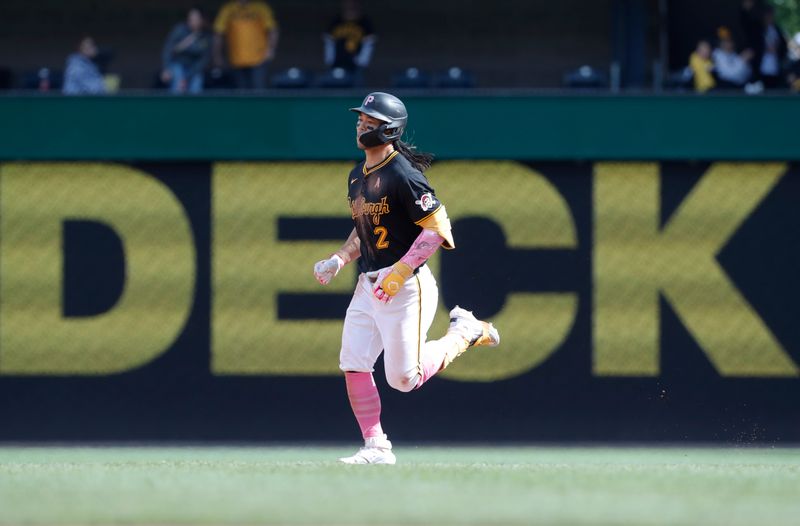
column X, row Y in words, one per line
column 637, row 300
column 313, row 127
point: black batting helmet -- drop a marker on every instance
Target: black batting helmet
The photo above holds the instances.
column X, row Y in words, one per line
column 388, row 109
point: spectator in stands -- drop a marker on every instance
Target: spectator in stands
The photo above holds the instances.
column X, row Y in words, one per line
column 251, row 37
column 793, row 74
column 750, row 18
column 186, row 53
column 702, row 67
column 774, row 51
column 82, row 76
column 731, row 69
column 350, row 41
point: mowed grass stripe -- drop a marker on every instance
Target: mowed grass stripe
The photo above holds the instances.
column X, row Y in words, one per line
column 459, row 485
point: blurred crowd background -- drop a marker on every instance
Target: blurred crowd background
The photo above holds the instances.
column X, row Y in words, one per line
column 185, row 46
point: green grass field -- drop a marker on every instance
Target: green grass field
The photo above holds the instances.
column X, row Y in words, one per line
column 530, row 485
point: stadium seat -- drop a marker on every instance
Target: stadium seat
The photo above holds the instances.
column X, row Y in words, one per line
column 411, row 78
column 31, row 80
column 293, row 78
column 586, row 77
column 680, row 80
column 336, row 78
column 157, row 82
column 218, row 79
column 6, row 79
column 454, row 77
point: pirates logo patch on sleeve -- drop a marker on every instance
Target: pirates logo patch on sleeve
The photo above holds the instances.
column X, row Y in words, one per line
column 426, row 202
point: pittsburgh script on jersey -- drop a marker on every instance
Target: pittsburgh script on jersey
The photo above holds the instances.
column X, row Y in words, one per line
column 360, row 207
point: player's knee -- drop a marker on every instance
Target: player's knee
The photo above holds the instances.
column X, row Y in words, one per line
column 403, row 382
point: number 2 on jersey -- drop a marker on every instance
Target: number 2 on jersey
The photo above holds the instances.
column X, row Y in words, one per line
column 381, row 232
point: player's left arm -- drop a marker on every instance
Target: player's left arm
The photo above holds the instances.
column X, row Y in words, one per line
column 389, row 280
column 415, row 194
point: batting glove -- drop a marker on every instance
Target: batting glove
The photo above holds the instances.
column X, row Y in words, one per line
column 389, row 280
column 326, row 269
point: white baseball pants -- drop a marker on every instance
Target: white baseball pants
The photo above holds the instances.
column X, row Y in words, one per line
column 399, row 328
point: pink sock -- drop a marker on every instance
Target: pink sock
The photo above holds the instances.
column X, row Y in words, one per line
column 365, row 401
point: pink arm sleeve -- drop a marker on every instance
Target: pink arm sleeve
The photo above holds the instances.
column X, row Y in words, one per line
column 423, row 247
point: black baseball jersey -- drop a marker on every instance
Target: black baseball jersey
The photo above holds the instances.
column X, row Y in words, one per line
column 387, row 203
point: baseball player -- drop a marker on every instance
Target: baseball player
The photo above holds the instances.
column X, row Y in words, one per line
column 398, row 224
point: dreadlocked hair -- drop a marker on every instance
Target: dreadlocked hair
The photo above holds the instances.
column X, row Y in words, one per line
column 419, row 160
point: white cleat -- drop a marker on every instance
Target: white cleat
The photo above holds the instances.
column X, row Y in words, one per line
column 376, row 450
column 475, row 331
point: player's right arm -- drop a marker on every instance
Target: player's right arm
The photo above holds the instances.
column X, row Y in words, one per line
column 326, row 269
column 351, row 249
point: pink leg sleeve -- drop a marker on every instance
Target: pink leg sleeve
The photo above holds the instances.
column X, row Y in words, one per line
column 365, row 402
column 437, row 354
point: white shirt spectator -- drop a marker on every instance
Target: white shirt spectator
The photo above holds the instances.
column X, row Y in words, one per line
column 769, row 62
column 82, row 77
column 730, row 66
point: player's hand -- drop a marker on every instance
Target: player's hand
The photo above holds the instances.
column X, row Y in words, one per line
column 389, row 280
column 326, row 269
column 377, row 278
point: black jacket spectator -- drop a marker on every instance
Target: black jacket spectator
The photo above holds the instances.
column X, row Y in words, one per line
column 186, row 53
column 349, row 40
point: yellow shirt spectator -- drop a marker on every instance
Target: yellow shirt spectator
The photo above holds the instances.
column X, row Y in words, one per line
column 701, row 66
column 248, row 28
